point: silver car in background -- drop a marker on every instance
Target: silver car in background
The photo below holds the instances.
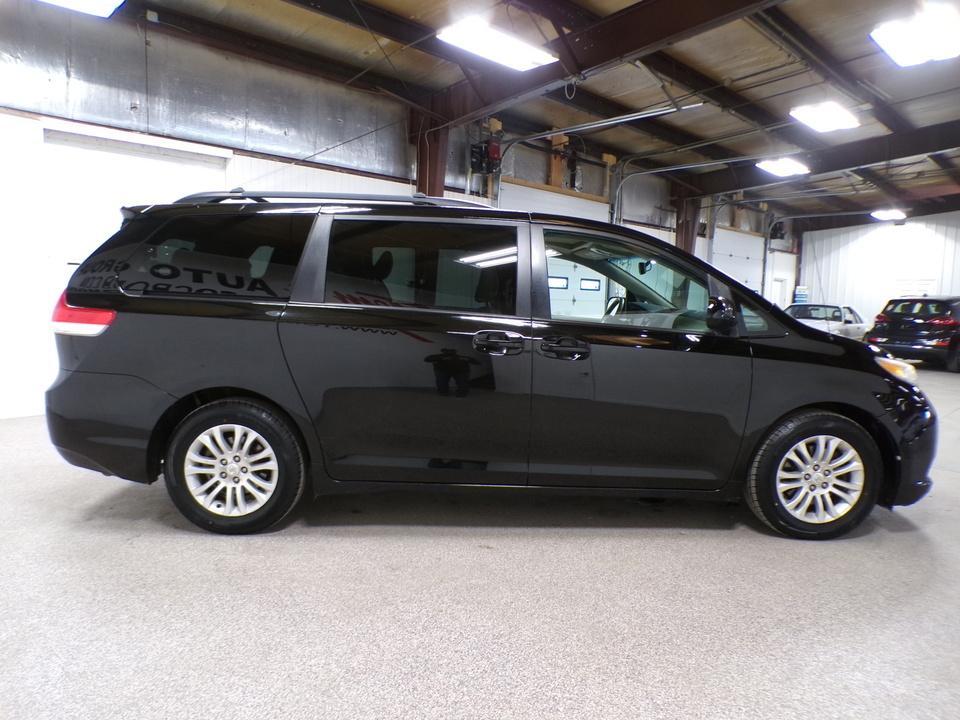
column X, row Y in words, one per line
column 837, row 319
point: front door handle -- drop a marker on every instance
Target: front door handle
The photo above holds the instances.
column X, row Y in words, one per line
column 498, row 342
column 564, row 348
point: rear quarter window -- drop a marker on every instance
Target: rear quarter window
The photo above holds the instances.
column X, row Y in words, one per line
column 251, row 255
column 98, row 273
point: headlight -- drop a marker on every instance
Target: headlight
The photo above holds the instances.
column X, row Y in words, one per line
column 899, row 369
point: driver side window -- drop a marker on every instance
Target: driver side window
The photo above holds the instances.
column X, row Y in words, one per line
column 597, row 279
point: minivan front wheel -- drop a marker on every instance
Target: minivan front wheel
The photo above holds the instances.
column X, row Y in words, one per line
column 816, row 476
column 234, row 466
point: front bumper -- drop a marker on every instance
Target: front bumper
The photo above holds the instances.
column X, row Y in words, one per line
column 915, row 424
column 103, row 422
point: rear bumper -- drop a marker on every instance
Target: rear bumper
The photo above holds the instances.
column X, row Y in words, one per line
column 103, row 422
column 914, row 351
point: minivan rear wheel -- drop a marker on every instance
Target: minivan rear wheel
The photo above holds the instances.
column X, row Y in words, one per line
column 234, row 466
column 816, row 476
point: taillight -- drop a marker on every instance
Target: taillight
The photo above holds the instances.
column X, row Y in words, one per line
column 881, row 318
column 945, row 321
column 72, row 320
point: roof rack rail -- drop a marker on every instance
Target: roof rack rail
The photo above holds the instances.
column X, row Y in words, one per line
column 267, row 196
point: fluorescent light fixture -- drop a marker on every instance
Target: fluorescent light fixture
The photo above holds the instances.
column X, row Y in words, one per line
column 931, row 34
column 496, row 261
column 889, row 214
column 783, row 167
column 826, row 116
column 100, row 8
column 475, row 35
column 488, row 255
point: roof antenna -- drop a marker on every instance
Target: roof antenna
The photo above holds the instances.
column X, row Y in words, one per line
column 237, row 190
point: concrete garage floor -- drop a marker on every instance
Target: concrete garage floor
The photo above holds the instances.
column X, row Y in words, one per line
column 470, row 605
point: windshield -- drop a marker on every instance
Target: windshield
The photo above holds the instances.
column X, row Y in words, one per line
column 815, row 312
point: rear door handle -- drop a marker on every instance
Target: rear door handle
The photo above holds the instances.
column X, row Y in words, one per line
column 564, row 348
column 498, row 342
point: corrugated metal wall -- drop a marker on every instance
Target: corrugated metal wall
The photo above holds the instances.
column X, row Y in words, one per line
column 74, row 66
column 867, row 265
column 78, row 67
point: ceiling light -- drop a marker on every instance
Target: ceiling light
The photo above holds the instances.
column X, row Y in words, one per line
column 475, row 35
column 826, row 116
column 488, row 255
column 100, row 8
column 496, row 261
column 889, row 214
column 931, row 34
column 784, row 167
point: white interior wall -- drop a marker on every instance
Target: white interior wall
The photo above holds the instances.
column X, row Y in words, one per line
column 527, row 199
column 668, row 236
column 781, row 277
column 865, row 266
column 63, row 185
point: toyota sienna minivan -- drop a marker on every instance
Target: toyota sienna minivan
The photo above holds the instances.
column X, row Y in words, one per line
column 250, row 347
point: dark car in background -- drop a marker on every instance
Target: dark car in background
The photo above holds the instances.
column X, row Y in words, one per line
column 920, row 328
column 249, row 347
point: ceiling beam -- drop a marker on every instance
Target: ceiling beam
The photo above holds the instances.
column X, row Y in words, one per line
column 754, row 114
column 563, row 12
column 398, row 29
column 838, row 158
column 783, row 30
column 635, row 31
column 599, row 106
column 259, row 48
column 780, row 28
column 927, row 207
column 730, row 100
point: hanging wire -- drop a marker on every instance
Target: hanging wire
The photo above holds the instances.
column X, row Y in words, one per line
column 327, row 149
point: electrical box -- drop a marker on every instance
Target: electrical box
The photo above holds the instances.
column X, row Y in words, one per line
column 485, row 157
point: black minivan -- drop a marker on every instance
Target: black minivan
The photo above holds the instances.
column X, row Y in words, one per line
column 249, row 346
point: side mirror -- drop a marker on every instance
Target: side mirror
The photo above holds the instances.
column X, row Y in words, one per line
column 721, row 315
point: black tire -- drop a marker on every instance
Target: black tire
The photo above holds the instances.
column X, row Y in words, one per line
column 761, row 487
column 953, row 358
column 288, row 479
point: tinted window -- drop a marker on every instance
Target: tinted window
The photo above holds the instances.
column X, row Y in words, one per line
column 753, row 320
column 99, row 271
column 248, row 255
column 611, row 282
column 815, row 312
column 450, row 266
column 920, row 308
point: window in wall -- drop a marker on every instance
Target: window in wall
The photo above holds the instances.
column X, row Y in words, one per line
column 618, row 283
column 249, row 255
column 450, row 266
